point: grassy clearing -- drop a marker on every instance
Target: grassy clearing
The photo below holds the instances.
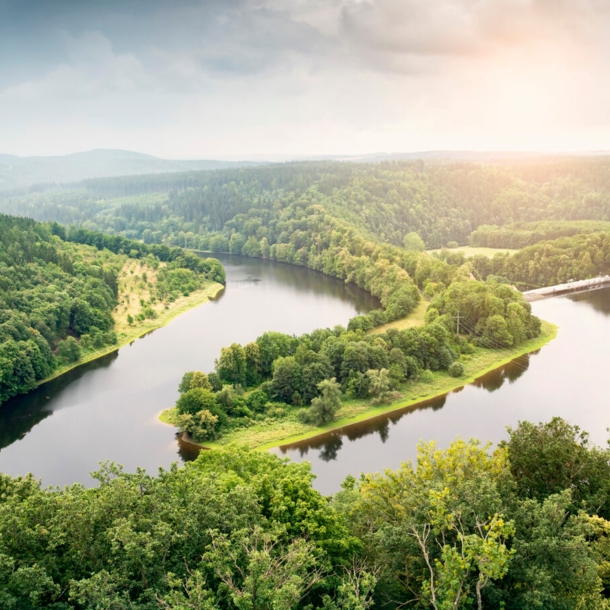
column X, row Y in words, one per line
column 471, row 251
column 415, row 318
column 132, row 288
column 274, row 433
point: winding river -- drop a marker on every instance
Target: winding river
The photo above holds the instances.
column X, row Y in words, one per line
column 107, row 409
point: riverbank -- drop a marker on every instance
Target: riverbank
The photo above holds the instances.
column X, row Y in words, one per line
column 271, row 433
column 126, row 334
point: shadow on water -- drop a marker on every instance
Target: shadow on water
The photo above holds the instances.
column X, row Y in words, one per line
column 21, row 413
column 305, row 280
column 330, row 444
column 186, row 450
column 108, row 409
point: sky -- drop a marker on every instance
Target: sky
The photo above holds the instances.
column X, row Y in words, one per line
column 237, row 79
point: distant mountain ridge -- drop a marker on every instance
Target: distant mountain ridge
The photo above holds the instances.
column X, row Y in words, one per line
column 100, row 163
column 20, row 172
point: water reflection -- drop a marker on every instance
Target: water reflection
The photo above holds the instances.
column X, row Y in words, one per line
column 328, row 445
column 107, row 409
column 303, row 280
column 510, row 372
column 20, row 414
column 597, row 298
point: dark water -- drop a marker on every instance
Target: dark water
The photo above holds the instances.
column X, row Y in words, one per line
column 107, row 409
column 568, row 377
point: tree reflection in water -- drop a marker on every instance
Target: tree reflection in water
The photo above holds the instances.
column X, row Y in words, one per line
column 330, row 444
column 21, row 413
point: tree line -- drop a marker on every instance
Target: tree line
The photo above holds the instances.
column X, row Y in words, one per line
column 522, row 234
column 443, row 203
column 522, row 526
column 549, row 262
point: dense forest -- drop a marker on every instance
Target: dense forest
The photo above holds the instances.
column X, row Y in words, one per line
column 524, row 526
column 58, row 290
column 384, row 201
column 51, row 295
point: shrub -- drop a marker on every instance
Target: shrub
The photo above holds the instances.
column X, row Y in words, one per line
column 379, row 385
column 69, row 350
column 195, row 400
column 256, row 400
column 304, row 416
column 456, row 369
column 431, row 315
column 324, row 407
column 426, row 376
column 203, row 426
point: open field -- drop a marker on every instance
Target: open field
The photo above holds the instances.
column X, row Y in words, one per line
column 472, row 251
column 416, row 318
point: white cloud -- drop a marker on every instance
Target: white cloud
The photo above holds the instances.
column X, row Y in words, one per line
column 231, row 77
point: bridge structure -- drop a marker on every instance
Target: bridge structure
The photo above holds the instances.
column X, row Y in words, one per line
column 549, row 291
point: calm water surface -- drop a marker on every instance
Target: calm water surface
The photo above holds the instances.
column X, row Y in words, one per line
column 568, row 377
column 107, row 409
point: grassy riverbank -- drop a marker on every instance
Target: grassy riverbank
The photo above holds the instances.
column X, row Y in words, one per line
column 270, row 433
column 136, row 282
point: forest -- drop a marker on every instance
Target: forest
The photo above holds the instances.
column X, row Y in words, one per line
column 546, row 263
column 58, row 290
column 443, row 203
column 521, row 234
column 522, row 526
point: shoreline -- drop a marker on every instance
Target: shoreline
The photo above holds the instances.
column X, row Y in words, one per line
column 459, row 383
column 195, row 299
column 443, row 382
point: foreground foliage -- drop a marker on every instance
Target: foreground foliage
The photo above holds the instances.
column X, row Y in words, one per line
column 466, row 527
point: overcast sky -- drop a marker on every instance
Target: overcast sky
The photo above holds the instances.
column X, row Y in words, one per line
column 236, row 78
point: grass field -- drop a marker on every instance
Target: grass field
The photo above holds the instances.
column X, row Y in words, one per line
column 470, row 251
column 416, row 318
column 271, row 433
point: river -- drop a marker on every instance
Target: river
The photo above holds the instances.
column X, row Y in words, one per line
column 107, row 409
column 566, row 378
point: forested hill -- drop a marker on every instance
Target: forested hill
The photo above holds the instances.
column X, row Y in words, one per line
column 384, row 201
column 57, row 294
